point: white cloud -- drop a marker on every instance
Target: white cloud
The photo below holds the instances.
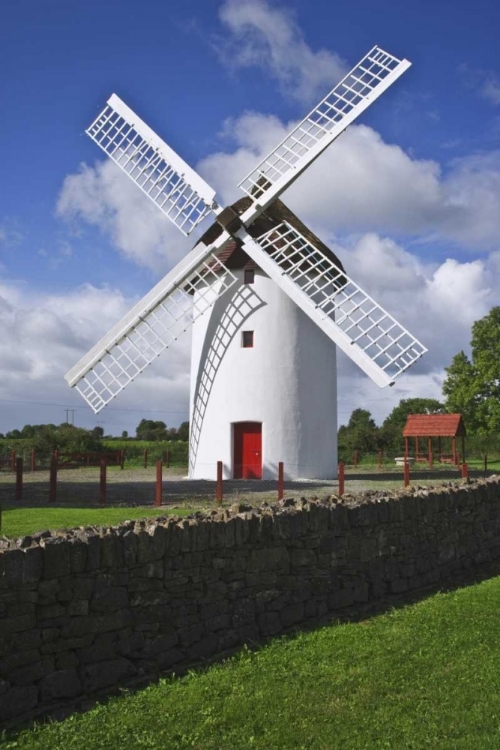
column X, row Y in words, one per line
column 259, row 35
column 491, row 90
column 437, row 303
column 104, row 197
column 361, row 184
column 45, row 334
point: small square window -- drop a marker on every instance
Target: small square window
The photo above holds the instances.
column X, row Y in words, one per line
column 249, row 276
column 247, row 339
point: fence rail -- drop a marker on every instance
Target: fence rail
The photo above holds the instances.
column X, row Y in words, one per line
column 108, row 483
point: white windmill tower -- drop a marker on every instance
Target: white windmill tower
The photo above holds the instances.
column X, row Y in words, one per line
column 266, row 299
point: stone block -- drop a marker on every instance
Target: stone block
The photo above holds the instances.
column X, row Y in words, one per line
column 62, row 684
column 16, row 701
column 203, row 649
column 111, row 551
column 11, row 568
column 66, row 660
column 269, row 623
column 14, row 661
column 56, row 558
column 33, row 565
column 106, row 673
column 292, row 614
column 302, row 557
column 109, row 600
column 243, row 613
column 78, row 556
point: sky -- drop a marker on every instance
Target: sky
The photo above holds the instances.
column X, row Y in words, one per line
column 408, row 197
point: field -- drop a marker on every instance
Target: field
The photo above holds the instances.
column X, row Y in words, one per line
column 421, row 676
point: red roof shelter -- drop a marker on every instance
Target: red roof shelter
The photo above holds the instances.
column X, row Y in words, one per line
column 435, row 426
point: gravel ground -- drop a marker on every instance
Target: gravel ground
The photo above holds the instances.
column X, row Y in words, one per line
column 136, row 486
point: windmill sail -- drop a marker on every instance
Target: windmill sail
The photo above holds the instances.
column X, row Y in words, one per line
column 183, row 196
column 151, row 326
column 368, row 334
column 365, row 83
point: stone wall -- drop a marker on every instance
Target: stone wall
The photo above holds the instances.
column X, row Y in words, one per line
column 88, row 609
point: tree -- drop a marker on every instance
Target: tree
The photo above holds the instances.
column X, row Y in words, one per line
column 391, row 432
column 124, row 435
column 98, row 432
column 472, row 386
column 360, row 433
column 183, row 431
column 148, row 429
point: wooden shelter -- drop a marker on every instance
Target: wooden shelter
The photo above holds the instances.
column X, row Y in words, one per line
column 429, row 426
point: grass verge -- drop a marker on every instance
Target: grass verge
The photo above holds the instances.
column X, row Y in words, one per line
column 423, row 676
column 22, row 521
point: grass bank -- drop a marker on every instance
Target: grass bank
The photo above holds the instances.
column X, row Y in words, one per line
column 22, row 521
column 424, row 676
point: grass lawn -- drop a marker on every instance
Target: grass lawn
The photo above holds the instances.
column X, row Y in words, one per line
column 22, row 521
column 424, row 676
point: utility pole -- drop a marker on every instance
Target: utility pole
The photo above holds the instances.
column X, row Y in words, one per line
column 68, row 412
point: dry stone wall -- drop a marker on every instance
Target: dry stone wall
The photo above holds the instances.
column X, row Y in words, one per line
column 92, row 608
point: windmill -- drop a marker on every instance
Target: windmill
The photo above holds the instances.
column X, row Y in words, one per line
column 265, row 297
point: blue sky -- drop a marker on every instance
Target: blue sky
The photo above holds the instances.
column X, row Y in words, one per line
column 409, row 197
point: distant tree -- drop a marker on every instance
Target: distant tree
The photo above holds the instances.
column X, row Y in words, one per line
column 360, row 433
column 14, row 434
column 124, row 435
column 149, row 429
column 391, row 431
column 98, row 432
column 472, row 386
column 183, row 431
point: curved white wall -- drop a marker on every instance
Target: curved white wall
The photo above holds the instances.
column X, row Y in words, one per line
column 287, row 381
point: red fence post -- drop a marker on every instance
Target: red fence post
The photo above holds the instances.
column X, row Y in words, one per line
column 55, row 454
column 218, row 494
column 19, row 478
column 281, row 481
column 13, row 460
column 146, row 458
column 53, row 480
column 102, row 482
column 356, row 457
column 341, row 474
column 465, row 471
column 431, row 460
column 159, row 482
column 122, row 459
column 167, row 459
column 406, row 473
column 380, row 459
column 33, row 460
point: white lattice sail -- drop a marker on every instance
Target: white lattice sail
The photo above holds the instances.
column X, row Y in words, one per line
column 148, row 329
column 366, row 332
column 183, row 196
column 370, row 78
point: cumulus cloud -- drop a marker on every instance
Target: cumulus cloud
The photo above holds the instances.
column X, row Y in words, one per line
column 104, row 197
column 437, row 302
column 258, row 34
column 45, row 334
column 361, row 183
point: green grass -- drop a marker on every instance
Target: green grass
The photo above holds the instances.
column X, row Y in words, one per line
column 22, row 521
column 424, row 676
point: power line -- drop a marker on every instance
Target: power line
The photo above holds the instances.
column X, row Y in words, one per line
column 72, row 407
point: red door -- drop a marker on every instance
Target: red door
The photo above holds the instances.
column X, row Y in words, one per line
column 248, row 450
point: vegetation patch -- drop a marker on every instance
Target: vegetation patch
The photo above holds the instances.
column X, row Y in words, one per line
column 23, row 521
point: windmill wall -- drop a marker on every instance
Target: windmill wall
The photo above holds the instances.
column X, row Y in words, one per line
column 286, row 382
